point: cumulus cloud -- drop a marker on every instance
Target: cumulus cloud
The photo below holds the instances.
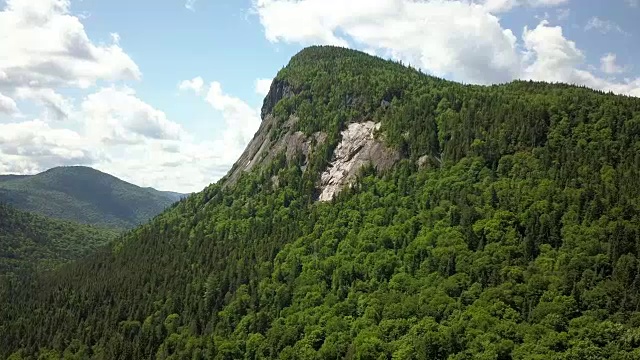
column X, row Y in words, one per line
column 553, row 55
column 49, row 47
column 111, row 128
column 187, row 165
column 457, row 39
column 608, row 64
column 263, row 86
column 122, row 135
column 7, row 105
column 554, row 58
column 497, row 6
column 241, row 120
column 56, row 106
column 32, row 146
column 174, row 161
column 196, row 84
column 168, row 165
column 118, row 116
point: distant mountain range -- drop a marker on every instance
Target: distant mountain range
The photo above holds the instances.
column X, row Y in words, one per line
column 84, row 195
column 175, row 196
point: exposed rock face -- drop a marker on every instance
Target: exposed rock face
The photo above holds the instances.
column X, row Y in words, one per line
column 357, row 148
column 279, row 90
column 263, row 148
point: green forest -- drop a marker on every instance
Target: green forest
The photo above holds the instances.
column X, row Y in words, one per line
column 518, row 238
column 30, row 242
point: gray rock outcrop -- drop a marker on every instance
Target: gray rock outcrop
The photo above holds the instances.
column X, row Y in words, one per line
column 358, row 147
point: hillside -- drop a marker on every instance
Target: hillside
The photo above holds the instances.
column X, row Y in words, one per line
column 84, row 195
column 497, row 222
column 34, row 242
column 172, row 194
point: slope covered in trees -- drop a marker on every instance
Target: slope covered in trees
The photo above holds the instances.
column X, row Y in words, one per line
column 509, row 230
column 33, row 242
column 84, row 195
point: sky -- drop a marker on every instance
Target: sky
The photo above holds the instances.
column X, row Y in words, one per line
column 168, row 93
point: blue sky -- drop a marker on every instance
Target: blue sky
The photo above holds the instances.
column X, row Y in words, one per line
column 165, row 93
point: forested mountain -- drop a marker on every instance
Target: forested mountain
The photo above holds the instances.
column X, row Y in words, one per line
column 171, row 194
column 84, row 195
column 497, row 222
column 34, row 242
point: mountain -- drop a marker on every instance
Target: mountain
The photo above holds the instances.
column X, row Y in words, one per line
column 378, row 213
column 34, row 242
column 84, row 195
column 175, row 196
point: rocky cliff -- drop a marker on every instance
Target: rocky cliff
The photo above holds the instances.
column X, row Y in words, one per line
column 360, row 144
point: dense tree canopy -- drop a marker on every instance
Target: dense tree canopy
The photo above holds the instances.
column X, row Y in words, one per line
column 32, row 242
column 518, row 239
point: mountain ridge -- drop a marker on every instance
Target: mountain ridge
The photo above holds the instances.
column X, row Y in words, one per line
column 84, row 195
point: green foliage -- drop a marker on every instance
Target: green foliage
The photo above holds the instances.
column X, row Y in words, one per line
column 84, row 195
column 517, row 240
column 34, row 242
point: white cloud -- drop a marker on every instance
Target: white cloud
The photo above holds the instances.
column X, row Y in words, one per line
column 546, row 2
column 32, row 146
column 168, row 165
column 57, row 107
column 497, row 6
column 554, row 58
column 263, row 86
column 116, row 115
column 190, row 5
column 456, row 39
column 609, row 66
column 111, row 129
column 7, row 105
column 448, row 38
column 124, row 136
column 633, row 3
column 115, row 37
column 186, row 165
column 603, row 26
column 241, row 120
column 194, row 85
column 48, row 46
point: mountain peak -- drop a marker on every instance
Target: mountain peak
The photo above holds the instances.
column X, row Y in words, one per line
column 84, row 194
column 307, row 115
